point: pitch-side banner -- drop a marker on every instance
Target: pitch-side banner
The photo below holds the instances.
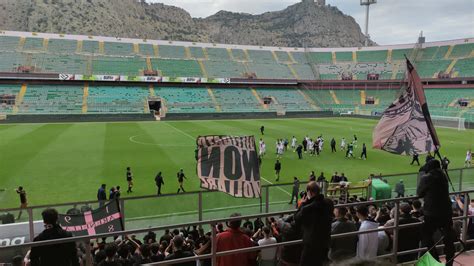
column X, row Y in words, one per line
column 229, row 164
column 405, row 126
column 105, row 219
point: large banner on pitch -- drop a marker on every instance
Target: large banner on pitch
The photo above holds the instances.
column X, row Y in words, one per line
column 105, row 219
column 229, row 164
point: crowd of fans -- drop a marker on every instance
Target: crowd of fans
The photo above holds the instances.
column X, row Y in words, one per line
column 316, row 219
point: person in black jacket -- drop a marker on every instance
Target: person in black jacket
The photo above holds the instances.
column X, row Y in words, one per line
column 159, row 181
column 314, row 217
column 333, row 145
column 177, row 243
column 53, row 255
column 101, row 195
column 277, row 170
column 434, row 190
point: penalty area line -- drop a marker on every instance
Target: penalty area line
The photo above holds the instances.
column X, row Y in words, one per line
column 286, row 192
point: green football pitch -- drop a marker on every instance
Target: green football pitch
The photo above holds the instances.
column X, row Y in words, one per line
column 58, row 163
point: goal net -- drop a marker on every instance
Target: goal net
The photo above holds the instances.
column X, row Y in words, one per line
column 449, row 121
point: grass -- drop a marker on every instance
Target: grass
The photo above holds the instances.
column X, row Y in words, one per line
column 58, row 163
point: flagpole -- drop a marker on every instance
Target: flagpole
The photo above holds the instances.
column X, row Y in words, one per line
column 445, row 170
column 427, row 116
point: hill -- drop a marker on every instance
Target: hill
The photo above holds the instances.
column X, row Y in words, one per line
column 298, row 25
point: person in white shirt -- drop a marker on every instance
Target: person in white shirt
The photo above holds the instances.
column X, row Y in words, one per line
column 309, row 146
column 343, row 144
column 262, row 148
column 368, row 243
column 293, row 143
column 267, row 256
column 467, row 162
column 280, row 149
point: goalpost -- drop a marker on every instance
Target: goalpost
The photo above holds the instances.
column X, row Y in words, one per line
column 449, row 121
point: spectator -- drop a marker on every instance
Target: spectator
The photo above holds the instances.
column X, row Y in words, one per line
column 101, row 195
column 267, row 256
column 400, row 189
column 156, row 255
column 290, row 255
column 110, row 252
column 295, row 190
column 417, row 211
column 408, row 238
column 368, row 242
column 177, row 245
column 314, row 218
column 434, row 189
column 59, row 254
column 125, row 257
column 234, row 238
column 166, row 236
column 470, row 211
column 258, row 224
column 345, row 247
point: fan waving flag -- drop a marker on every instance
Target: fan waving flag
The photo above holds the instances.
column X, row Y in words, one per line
column 105, row 219
column 229, row 164
column 406, row 127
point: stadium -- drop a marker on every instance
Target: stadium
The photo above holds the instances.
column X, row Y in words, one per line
column 77, row 110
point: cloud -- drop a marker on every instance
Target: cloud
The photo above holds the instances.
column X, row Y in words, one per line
column 391, row 21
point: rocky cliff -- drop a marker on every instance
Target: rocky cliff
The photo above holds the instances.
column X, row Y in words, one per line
column 298, row 25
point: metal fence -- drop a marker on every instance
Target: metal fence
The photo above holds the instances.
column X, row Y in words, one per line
column 208, row 205
column 213, row 255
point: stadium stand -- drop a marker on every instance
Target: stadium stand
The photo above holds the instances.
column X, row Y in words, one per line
column 217, row 54
column 286, row 99
column 276, row 71
column 183, row 100
column 461, row 50
column 237, row 100
column 6, row 90
column 57, row 46
column 371, row 56
column 132, row 66
column 8, row 43
column 220, row 62
column 171, row 51
column 33, row 44
column 91, row 47
column 197, row 52
column 50, row 99
column 216, row 69
column 261, row 56
column 117, row 99
column 464, row 67
column 177, row 68
column 146, row 49
column 120, row 49
column 344, row 56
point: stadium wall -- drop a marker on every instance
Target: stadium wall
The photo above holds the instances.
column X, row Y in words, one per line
column 250, row 115
column 60, row 118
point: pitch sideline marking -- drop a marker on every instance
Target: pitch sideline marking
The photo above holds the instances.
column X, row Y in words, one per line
column 208, row 210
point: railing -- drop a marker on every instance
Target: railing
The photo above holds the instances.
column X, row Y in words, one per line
column 215, row 205
column 212, row 223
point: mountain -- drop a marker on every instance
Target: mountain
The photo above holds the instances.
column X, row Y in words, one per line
column 302, row 24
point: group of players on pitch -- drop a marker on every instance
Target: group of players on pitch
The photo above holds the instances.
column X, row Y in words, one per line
column 312, row 146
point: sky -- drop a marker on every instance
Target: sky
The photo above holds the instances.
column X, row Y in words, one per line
column 391, row 21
